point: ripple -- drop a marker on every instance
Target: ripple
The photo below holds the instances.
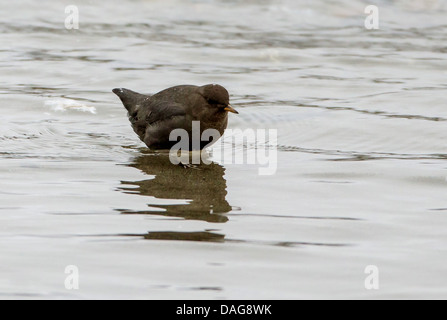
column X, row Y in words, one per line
column 205, row 236
column 357, row 156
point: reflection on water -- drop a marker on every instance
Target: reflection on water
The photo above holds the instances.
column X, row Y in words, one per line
column 212, row 236
column 203, row 186
column 200, row 236
column 186, row 236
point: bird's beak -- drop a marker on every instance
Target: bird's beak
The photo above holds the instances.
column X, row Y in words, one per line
column 230, row 109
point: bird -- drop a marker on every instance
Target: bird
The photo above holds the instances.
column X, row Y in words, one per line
column 154, row 117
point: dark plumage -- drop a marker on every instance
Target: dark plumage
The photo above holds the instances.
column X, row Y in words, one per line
column 154, row 117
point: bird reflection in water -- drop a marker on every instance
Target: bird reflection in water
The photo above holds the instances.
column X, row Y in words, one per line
column 203, row 186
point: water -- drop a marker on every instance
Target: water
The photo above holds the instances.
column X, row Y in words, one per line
column 361, row 174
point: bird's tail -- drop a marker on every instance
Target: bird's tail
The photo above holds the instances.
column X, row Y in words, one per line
column 130, row 99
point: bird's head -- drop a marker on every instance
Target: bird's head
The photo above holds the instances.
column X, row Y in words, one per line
column 218, row 97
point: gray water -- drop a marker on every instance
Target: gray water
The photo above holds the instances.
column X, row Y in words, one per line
column 361, row 177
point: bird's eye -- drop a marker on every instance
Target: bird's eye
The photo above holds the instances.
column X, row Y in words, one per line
column 211, row 101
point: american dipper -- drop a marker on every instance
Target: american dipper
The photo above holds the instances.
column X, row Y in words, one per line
column 153, row 118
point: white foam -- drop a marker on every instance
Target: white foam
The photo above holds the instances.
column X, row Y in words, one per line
column 63, row 105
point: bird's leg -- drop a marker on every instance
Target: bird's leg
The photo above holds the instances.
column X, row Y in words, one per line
column 189, row 166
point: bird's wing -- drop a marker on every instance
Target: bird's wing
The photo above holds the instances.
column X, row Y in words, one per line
column 163, row 118
column 163, row 110
column 154, row 114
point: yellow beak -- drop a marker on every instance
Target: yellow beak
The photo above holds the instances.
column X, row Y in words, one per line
column 231, row 109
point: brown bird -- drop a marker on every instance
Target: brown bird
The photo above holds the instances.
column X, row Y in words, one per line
column 153, row 118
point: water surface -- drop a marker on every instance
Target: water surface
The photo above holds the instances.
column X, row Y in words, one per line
column 361, row 176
